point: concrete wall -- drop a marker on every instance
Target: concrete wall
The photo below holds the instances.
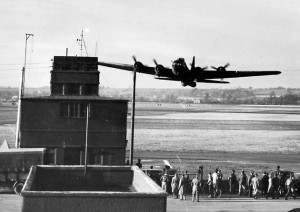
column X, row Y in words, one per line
column 146, row 197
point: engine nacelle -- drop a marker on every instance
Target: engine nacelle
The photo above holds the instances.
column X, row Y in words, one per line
column 221, row 69
column 138, row 66
column 197, row 73
column 159, row 70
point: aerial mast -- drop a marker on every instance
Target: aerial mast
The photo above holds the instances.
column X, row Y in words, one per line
column 21, row 93
column 82, row 44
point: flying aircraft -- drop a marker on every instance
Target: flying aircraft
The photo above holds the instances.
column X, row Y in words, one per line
column 181, row 72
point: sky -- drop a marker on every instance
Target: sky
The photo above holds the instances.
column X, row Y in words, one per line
column 250, row 34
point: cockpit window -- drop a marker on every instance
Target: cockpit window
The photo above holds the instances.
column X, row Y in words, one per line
column 179, row 60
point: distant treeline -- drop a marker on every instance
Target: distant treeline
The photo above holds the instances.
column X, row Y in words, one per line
column 262, row 96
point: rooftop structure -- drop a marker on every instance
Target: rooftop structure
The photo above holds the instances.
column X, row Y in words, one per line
column 75, row 76
column 109, row 188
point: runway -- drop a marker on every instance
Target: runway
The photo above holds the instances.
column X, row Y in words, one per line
column 13, row 203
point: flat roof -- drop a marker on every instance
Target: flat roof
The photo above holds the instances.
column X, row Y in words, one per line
column 90, row 98
column 25, row 150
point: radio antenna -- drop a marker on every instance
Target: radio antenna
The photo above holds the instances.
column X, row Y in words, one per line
column 82, row 44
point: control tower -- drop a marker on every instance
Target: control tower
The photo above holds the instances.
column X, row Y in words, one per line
column 59, row 122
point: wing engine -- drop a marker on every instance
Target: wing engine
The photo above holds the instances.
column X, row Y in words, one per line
column 137, row 65
column 159, row 69
column 221, row 69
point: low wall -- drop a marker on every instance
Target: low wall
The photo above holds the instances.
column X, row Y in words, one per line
column 143, row 195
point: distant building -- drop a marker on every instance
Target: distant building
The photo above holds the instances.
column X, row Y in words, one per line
column 58, row 122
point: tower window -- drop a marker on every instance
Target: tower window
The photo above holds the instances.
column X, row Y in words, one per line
column 74, row 110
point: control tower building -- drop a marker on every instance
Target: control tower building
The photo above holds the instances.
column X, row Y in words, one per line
column 59, row 122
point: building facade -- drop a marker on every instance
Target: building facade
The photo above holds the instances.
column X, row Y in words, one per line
column 59, row 122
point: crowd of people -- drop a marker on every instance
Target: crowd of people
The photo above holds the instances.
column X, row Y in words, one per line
column 271, row 185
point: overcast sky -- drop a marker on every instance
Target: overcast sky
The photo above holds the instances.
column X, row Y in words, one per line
column 250, row 34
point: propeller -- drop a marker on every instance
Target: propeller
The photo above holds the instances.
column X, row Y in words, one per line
column 134, row 58
column 159, row 69
column 137, row 65
column 221, row 69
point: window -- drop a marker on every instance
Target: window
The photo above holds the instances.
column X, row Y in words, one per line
column 74, row 110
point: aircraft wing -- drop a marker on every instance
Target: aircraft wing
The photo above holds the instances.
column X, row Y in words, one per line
column 212, row 74
column 127, row 67
column 200, row 80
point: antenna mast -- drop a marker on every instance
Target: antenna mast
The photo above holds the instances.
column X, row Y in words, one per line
column 82, row 43
column 21, row 94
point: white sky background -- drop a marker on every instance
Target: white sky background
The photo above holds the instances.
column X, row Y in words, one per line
column 250, row 34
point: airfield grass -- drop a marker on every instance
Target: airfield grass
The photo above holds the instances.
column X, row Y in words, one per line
column 253, row 141
column 248, row 137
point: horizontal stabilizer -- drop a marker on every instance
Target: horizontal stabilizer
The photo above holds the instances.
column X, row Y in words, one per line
column 166, row 78
column 212, row 81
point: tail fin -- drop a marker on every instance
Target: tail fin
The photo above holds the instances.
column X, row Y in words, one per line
column 193, row 63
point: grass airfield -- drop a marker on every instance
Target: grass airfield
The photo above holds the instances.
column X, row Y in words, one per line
column 229, row 136
column 249, row 137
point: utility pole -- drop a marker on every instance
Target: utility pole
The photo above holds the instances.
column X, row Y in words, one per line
column 21, row 94
column 132, row 117
column 86, row 137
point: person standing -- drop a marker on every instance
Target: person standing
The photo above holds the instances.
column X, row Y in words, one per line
column 276, row 185
column 175, row 185
column 242, row 182
column 281, row 180
column 250, row 183
column 214, row 181
column 265, row 184
column 210, row 185
column 164, row 180
column 200, row 176
column 139, row 163
column 200, row 173
column 290, row 187
column 187, row 176
column 195, row 188
column 183, row 185
column 232, row 182
column 219, row 182
column 255, row 186
column 270, row 188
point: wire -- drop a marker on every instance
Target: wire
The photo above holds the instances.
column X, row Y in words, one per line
column 19, row 64
column 26, row 68
column 113, row 87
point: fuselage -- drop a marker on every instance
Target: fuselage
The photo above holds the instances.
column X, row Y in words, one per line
column 179, row 68
column 182, row 72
